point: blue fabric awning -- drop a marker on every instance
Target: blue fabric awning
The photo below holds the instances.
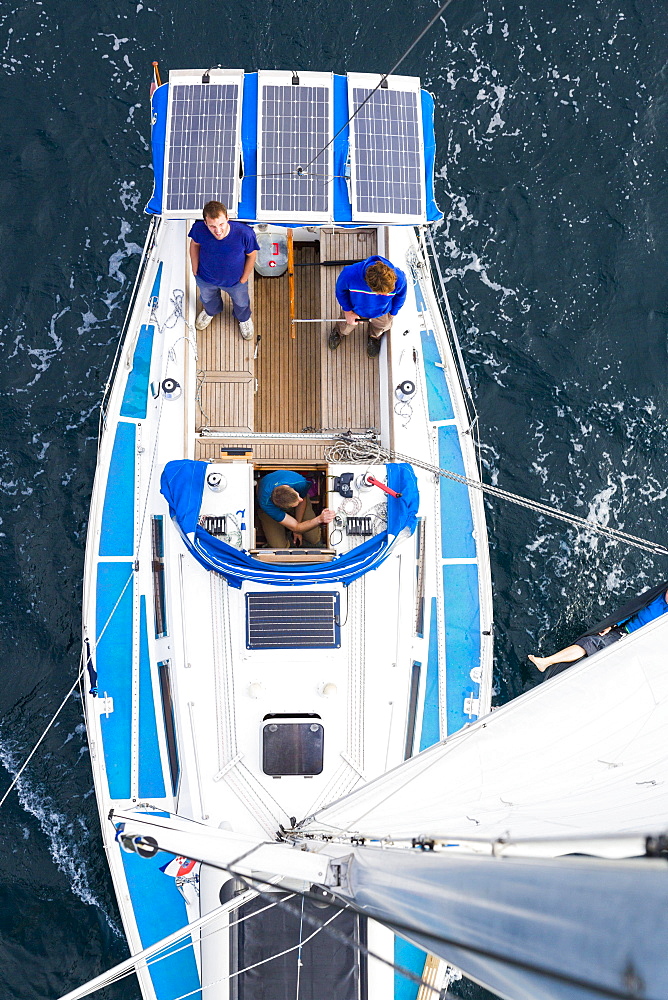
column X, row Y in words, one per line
column 182, row 484
column 247, row 210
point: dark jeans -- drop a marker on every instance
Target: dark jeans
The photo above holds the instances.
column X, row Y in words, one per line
column 212, row 300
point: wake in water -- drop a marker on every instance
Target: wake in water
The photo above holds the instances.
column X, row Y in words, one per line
column 68, row 837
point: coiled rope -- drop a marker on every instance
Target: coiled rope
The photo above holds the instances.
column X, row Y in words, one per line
column 368, row 451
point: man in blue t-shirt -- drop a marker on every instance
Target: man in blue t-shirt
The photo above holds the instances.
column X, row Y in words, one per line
column 222, row 254
column 373, row 288
column 283, row 502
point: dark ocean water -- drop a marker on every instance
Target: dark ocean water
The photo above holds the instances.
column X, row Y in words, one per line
column 551, row 123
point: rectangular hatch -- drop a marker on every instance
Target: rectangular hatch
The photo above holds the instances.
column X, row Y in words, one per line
column 293, row 619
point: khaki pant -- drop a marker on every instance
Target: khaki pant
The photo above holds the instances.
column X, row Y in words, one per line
column 277, row 536
column 377, row 326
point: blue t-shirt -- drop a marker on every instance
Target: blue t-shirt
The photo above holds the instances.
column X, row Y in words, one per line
column 268, row 484
column 653, row 610
column 222, row 262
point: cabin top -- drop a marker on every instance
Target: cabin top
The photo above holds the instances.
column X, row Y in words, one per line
column 294, row 147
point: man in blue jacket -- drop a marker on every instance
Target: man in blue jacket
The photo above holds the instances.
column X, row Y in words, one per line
column 374, row 289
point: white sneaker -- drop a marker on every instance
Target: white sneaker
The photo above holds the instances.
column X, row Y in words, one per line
column 203, row 320
column 246, row 329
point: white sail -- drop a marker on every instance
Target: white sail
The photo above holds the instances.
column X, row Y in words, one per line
column 583, row 754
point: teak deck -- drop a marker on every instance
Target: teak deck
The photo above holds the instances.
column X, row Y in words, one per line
column 294, row 385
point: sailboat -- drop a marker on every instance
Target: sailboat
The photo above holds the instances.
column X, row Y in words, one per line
column 235, row 685
column 302, row 789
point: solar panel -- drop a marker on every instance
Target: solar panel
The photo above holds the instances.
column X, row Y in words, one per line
column 201, row 155
column 387, row 161
column 294, row 126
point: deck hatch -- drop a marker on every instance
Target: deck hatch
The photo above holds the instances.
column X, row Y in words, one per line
column 292, row 620
column 293, row 749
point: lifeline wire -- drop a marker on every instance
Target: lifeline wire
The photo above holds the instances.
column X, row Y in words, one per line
column 172, row 319
column 347, row 449
column 380, row 83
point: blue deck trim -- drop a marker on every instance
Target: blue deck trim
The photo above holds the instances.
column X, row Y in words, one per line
column 431, row 722
column 114, row 669
column 438, row 395
column 457, row 540
column 155, row 291
column 136, row 388
column 248, row 194
column 412, row 958
column 151, row 780
column 343, row 209
column 462, row 639
column 158, row 136
column 118, row 525
column 160, row 910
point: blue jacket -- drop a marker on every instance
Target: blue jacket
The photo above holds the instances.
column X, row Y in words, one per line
column 654, row 610
column 354, row 295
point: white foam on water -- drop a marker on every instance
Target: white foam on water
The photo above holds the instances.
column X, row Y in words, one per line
column 60, row 831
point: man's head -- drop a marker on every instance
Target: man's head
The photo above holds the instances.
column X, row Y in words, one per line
column 215, row 218
column 380, row 278
column 285, row 497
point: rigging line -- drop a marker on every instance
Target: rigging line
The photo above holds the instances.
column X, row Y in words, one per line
column 502, row 959
column 249, row 968
column 342, row 905
column 46, row 730
column 299, row 953
column 347, row 449
column 154, row 952
column 82, row 670
column 382, row 80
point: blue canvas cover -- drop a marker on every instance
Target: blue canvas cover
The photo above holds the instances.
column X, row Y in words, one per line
column 247, row 209
column 182, row 484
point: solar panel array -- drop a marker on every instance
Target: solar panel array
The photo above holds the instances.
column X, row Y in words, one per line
column 387, row 153
column 295, row 126
column 202, row 152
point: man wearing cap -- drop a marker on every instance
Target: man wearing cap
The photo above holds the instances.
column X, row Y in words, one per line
column 374, row 289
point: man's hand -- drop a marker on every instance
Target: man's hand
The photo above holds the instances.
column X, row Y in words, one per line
column 326, row 516
column 351, row 317
column 243, row 280
column 296, row 538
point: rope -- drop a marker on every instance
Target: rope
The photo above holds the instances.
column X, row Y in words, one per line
column 354, row 451
column 380, row 83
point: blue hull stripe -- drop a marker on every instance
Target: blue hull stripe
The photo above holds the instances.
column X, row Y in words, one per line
column 114, row 670
column 136, row 388
column 151, row 781
column 155, row 291
column 408, row 957
column 160, row 910
column 462, row 639
column 117, row 534
column 438, row 396
column 457, row 540
column 431, row 725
